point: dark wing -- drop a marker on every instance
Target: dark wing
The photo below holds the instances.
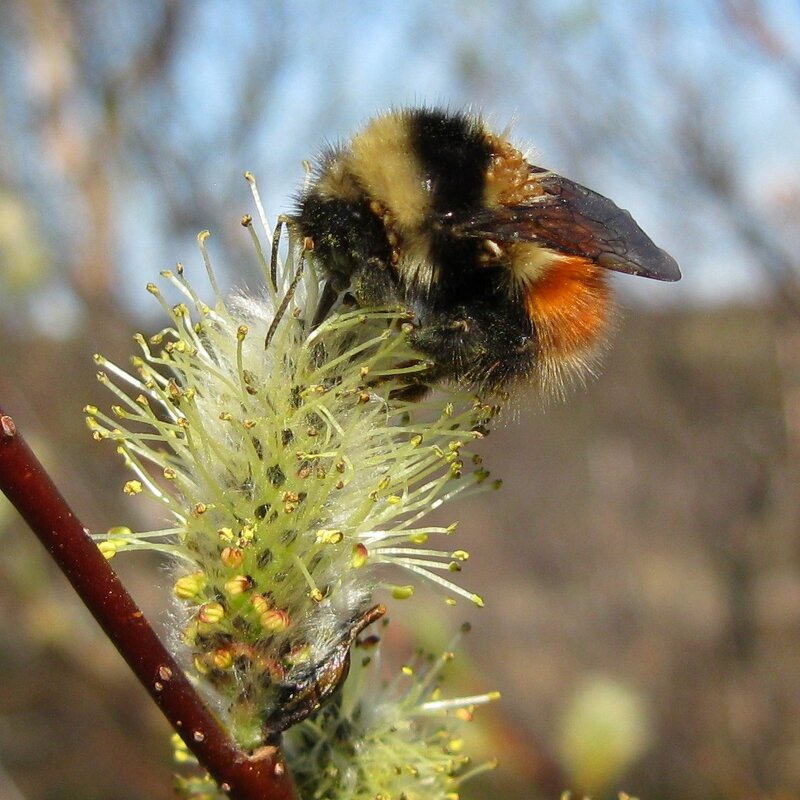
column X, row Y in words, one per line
column 572, row 219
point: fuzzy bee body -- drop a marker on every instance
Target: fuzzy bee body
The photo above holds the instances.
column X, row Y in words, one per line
column 502, row 265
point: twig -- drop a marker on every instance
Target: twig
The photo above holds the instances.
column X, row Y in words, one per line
column 260, row 776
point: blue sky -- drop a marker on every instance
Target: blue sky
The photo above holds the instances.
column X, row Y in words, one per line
column 598, row 88
column 521, row 62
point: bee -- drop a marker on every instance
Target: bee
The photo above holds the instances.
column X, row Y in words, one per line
column 502, row 265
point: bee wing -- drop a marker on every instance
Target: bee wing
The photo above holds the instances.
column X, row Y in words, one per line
column 572, row 219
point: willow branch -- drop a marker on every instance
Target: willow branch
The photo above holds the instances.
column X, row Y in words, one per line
column 258, row 776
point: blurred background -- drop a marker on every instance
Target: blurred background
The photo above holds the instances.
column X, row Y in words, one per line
column 641, row 568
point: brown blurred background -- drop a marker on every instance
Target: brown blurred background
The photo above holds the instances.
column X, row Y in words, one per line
column 641, row 566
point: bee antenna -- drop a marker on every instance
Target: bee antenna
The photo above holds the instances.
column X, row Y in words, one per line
column 286, row 299
column 273, row 261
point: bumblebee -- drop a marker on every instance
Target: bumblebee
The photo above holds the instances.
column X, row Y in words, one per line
column 502, row 265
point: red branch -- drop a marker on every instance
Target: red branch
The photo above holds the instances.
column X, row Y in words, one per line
column 260, row 776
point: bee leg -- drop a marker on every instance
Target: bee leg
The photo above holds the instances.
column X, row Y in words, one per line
column 481, row 346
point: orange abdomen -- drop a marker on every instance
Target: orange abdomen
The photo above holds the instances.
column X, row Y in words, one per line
column 569, row 306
